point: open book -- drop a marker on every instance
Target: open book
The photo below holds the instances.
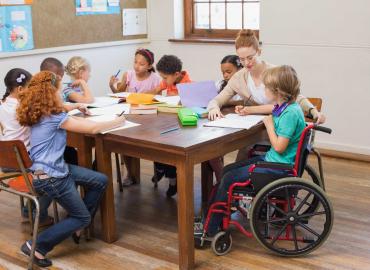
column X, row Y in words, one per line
column 100, row 102
column 233, row 120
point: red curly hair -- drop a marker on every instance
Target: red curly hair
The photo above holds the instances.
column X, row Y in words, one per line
column 39, row 99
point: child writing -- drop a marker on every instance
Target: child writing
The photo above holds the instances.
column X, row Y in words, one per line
column 170, row 69
column 230, row 64
column 284, row 128
column 141, row 79
column 49, row 122
column 78, row 91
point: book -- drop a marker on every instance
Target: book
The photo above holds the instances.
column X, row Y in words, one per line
column 100, row 102
column 233, row 120
column 143, row 109
column 165, row 108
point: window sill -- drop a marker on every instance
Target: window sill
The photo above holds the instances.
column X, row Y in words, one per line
column 202, row 40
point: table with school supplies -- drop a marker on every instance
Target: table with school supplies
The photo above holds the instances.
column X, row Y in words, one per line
column 160, row 137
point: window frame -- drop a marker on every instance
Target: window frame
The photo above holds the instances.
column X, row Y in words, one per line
column 190, row 32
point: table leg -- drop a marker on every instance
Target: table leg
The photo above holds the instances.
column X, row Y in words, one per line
column 108, row 216
column 185, row 189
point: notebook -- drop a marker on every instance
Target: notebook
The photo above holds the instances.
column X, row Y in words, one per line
column 197, row 94
column 236, row 121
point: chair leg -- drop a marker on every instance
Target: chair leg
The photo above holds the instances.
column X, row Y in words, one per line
column 118, row 168
column 321, row 171
column 56, row 214
column 30, row 214
column 35, row 231
column 21, row 200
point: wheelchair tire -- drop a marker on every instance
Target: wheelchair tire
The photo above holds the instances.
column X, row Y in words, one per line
column 221, row 243
column 307, row 231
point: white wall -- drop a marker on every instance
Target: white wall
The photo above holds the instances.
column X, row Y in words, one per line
column 104, row 61
column 328, row 43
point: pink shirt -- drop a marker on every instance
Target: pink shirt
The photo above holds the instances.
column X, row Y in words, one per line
column 135, row 86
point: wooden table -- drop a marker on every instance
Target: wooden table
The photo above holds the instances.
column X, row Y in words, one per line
column 182, row 148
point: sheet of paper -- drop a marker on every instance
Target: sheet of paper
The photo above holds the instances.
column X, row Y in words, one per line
column 99, row 5
column 134, row 21
column 102, row 102
column 119, row 95
column 236, row 121
column 171, row 100
column 128, row 124
column 111, row 110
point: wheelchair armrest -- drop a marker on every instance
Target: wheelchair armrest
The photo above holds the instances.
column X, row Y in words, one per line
column 272, row 165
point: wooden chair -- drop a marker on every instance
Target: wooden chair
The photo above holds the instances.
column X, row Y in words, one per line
column 14, row 156
column 317, row 102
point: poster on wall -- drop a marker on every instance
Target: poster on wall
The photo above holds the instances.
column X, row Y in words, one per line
column 95, row 7
column 15, row 2
column 15, row 28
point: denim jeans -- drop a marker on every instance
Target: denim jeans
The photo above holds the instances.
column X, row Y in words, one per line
column 236, row 172
column 80, row 211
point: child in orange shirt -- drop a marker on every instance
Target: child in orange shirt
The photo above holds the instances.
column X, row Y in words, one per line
column 169, row 68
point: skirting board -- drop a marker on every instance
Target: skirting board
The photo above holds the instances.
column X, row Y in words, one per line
column 344, row 155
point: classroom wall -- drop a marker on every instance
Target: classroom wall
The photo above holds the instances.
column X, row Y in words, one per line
column 328, row 44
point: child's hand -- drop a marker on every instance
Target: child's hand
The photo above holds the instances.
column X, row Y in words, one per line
column 268, row 121
column 82, row 108
column 113, row 80
column 238, row 109
column 79, row 82
column 215, row 114
column 242, row 110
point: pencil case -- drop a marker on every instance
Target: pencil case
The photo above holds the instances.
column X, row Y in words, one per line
column 187, row 117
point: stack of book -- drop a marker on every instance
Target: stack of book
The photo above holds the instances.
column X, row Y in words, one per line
column 143, row 109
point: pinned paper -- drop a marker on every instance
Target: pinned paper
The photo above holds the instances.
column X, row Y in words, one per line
column 134, row 21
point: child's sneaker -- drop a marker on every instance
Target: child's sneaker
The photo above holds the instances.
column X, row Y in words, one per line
column 128, row 181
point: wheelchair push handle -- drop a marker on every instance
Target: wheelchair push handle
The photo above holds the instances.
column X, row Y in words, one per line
column 323, row 129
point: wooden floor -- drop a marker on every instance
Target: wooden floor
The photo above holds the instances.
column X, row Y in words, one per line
column 147, row 227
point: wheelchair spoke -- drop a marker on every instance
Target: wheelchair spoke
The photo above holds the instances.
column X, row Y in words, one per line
column 295, row 237
column 303, row 202
column 288, row 199
column 308, row 229
column 274, row 220
column 312, row 214
column 278, row 234
column 277, row 208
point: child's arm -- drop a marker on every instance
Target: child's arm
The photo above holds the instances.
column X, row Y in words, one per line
column 85, row 97
column 76, row 106
column 155, row 91
column 122, row 85
column 82, row 125
column 260, row 109
column 279, row 143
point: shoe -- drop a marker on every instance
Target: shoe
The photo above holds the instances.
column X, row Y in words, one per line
column 158, row 175
column 39, row 262
column 198, row 228
column 76, row 238
column 172, row 190
column 127, row 182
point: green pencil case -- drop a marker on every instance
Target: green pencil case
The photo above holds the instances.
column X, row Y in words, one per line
column 187, row 117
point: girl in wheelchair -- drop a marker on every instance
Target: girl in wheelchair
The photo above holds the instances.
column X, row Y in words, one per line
column 284, row 128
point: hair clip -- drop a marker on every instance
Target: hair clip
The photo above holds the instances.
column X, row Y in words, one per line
column 20, row 78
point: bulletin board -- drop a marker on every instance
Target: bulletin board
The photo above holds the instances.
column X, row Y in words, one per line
column 55, row 24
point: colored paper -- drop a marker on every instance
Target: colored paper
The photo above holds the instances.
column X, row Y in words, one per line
column 95, row 7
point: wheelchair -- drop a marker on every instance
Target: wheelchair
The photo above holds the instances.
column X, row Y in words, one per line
column 288, row 215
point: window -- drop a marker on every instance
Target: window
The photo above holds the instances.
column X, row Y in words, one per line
column 220, row 19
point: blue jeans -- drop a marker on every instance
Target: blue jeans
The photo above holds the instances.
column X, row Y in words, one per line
column 236, row 172
column 80, row 211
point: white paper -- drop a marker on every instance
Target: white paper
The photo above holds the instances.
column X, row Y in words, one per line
column 236, row 121
column 134, row 21
column 128, row 124
column 18, row 16
column 111, row 110
column 102, row 102
column 113, row 3
column 12, row 2
column 119, row 95
column 170, row 100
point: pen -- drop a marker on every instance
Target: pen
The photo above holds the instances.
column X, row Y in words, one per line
column 169, row 130
column 115, row 76
column 121, row 113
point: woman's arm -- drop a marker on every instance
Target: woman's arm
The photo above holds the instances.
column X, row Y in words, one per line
column 277, row 142
column 85, row 97
column 308, row 108
column 82, row 125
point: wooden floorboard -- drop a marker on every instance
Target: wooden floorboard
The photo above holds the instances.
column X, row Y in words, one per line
column 147, row 230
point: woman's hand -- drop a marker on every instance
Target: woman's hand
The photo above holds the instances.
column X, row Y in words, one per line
column 320, row 118
column 215, row 114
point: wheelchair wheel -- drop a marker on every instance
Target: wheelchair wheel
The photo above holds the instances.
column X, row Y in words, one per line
column 221, row 243
column 287, row 229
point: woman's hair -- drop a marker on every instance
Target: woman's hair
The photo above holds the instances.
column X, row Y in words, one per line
column 14, row 78
column 40, row 99
column 246, row 38
column 149, row 57
column 282, row 81
column 75, row 64
column 235, row 61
